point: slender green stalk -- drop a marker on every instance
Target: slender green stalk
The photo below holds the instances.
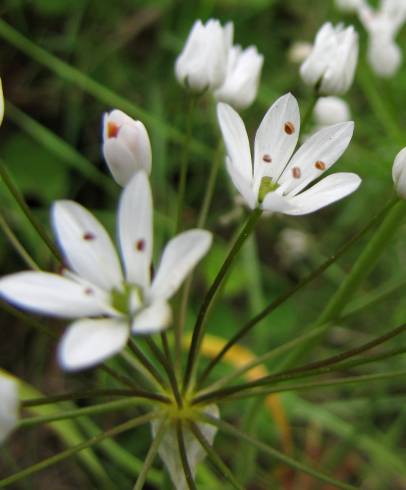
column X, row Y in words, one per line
column 279, row 300
column 80, row 412
column 139, row 368
column 214, row 457
column 149, row 459
column 119, row 377
column 27, row 211
column 27, row 320
column 17, row 245
column 283, row 458
column 362, row 267
column 183, row 456
column 146, row 363
column 77, row 78
column 309, row 111
column 143, row 419
column 211, row 294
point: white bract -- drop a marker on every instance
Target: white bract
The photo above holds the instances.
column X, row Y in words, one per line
column 276, row 181
column 399, row 173
column 202, row 63
column 126, row 146
column 331, row 65
column 242, row 78
column 95, row 286
column 331, row 110
column 9, row 405
column 169, row 452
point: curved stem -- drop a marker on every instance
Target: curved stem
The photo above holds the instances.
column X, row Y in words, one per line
column 211, row 293
column 183, row 456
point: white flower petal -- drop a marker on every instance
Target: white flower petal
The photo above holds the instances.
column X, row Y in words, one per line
column 120, row 160
column 1, row 103
column 315, row 156
column 8, row 406
column 51, row 294
column 399, row 173
column 328, row 190
column 181, row 254
column 276, row 203
column 276, row 139
column 243, row 186
column 88, row 342
column 135, row 229
column 86, row 245
column 153, row 318
column 169, row 449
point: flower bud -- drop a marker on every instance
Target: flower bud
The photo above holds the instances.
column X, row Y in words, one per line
column 331, row 110
column 331, row 65
column 242, row 78
column 203, row 62
column 384, row 56
column 349, row 5
column 399, row 173
column 126, row 146
column 299, row 51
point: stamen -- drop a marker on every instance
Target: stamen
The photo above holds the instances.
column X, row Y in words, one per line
column 89, row 291
column 112, row 129
column 88, row 236
column 140, row 245
column 267, row 186
column 267, row 158
column 296, row 172
column 320, row 165
column 289, row 127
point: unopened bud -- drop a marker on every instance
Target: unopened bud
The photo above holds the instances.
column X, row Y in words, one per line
column 399, row 173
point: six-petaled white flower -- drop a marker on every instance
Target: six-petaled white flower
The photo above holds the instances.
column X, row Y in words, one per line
column 126, row 146
column 108, row 303
column 203, row 62
column 8, row 406
column 241, row 83
column 277, row 180
column 399, row 173
column 330, row 67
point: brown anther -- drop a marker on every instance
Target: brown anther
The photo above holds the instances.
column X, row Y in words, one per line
column 296, row 172
column 140, row 245
column 88, row 236
column 289, row 127
column 112, row 129
column 89, row 291
column 320, row 165
column 267, row 158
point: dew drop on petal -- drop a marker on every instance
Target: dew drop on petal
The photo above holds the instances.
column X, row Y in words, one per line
column 320, row 165
column 112, row 129
column 296, row 172
column 267, row 158
column 140, row 245
column 88, row 236
column 289, row 127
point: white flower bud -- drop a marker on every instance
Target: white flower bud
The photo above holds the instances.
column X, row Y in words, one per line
column 332, row 62
column 203, row 62
column 126, row 146
column 8, row 406
column 399, row 173
column 242, row 78
column 299, row 51
column 384, row 56
column 349, row 5
column 331, row 110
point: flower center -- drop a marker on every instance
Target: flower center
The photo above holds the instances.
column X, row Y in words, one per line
column 128, row 300
column 267, row 185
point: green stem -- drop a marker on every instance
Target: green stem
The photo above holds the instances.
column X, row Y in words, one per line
column 183, row 456
column 75, row 449
column 309, row 111
column 296, row 465
column 210, row 295
column 27, row 211
column 213, row 456
column 362, row 267
column 146, row 363
column 119, row 377
column 27, row 320
column 282, row 298
column 80, row 412
column 149, row 459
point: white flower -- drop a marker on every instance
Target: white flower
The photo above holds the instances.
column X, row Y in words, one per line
column 203, row 62
column 384, row 56
column 349, row 5
column 126, row 146
column 97, row 287
column 169, row 452
column 276, row 181
column 331, row 110
column 331, row 65
column 241, row 83
column 8, row 406
column 1, row 103
column 399, row 173
column 299, row 51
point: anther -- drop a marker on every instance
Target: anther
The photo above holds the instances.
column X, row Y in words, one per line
column 88, row 236
column 112, row 129
column 320, row 165
column 296, row 172
column 89, row 291
column 140, row 245
column 267, row 158
column 289, row 127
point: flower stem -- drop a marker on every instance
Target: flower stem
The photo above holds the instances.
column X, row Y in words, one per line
column 279, row 300
column 143, row 419
column 27, row 211
column 211, row 293
column 309, row 111
column 183, row 456
column 283, row 458
column 146, row 363
column 149, row 459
